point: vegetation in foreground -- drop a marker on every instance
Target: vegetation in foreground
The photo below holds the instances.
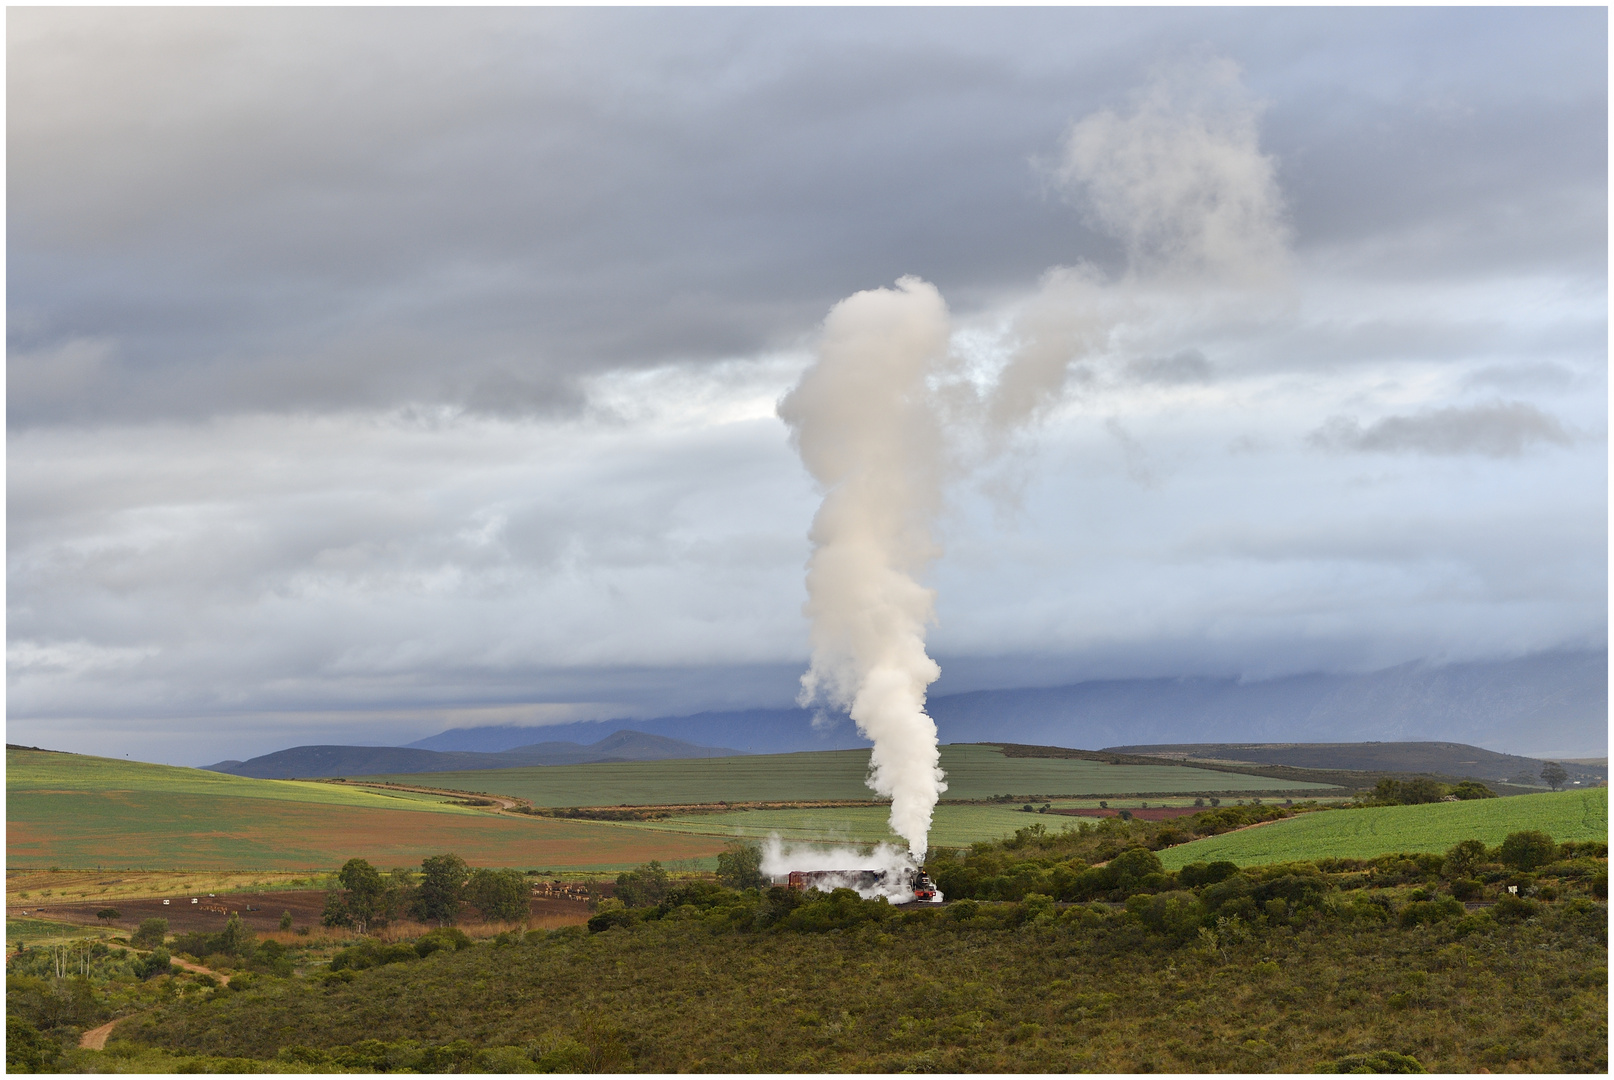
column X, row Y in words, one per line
column 1294, row 967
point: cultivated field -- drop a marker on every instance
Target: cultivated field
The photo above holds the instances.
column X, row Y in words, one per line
column 75, row 811
column 1363, row 834
column 973, row 772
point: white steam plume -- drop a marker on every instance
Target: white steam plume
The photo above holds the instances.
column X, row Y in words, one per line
column 865, row 420
column 884, row 416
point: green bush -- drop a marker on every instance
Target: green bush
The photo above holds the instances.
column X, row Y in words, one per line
column 1527, row 850
column 1424, row 912
column 963, row 910
column 152, row 933
column 1380, row 1061
column 444, row 937
column 1197, row 874
column 1510, row 909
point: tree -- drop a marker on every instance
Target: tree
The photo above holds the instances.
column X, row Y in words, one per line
column 1464, row 857
column 1527, row 850
column 151, row 934
column 108, row 914
column 1422, row 790
column 363, row 899
column 643, row 887
column 285, row 920
column 1554, row 775
column 739, row 866
column 500, row 895
column 236, row 938
column 441, row 890
column 1472, row 789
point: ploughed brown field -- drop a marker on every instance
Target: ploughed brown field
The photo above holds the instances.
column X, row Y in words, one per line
column 260, row 911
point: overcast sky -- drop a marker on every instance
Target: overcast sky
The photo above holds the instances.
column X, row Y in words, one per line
column 376, row 371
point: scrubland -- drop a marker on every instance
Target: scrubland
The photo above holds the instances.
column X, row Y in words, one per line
column 1062, row 950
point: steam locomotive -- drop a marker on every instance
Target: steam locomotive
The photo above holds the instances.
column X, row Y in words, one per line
column 911, row 880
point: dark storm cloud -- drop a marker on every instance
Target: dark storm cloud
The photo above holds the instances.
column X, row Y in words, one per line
column 1500, row 429
column 223, row 210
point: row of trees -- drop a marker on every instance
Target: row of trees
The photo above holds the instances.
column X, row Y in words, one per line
column 1422, row 789
column 366, row 897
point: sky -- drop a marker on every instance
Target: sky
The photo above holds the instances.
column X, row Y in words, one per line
column 376, row 371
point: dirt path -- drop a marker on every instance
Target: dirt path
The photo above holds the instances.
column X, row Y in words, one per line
column 224, row 980
column 95, row 1038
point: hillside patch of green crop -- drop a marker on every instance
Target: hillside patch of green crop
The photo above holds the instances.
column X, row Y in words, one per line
column 973, row 772
column 1432, row 827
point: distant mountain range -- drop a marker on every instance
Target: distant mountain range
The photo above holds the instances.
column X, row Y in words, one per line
column 313, row 762
column 1547, row 705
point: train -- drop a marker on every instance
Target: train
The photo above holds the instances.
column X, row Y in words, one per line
column 911, row 880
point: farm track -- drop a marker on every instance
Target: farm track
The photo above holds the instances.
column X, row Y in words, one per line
column 95, row 1038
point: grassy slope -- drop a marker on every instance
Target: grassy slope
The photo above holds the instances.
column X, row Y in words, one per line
column 33, row 773
column 953, row 826
column 71, row 810
column 973, row 772
column 1568, row 815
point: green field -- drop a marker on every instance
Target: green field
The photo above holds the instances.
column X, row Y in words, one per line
column 34, row 773
column 71, row 810
column 973, row 772
column 953, row 826
column 1363, row 834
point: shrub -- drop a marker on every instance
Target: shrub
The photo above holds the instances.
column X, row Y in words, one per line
column 152, row 932
column 1380, row 1061
column 1511, row 909
column 1425, row 912
column 1472, row 789
column 153, row 965
column 739, row 866
column 444, row 937
column 1467, row 888
column 963, row 910
column 1036, row 907
column 1197, row 874
column 1177, row 915
column 644, row 887
column 1527, row 850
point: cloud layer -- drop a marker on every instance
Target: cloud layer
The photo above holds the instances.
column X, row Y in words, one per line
column 368, row 367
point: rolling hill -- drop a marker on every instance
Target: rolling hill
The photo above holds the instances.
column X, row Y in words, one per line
column 311, row 762
column 1435, row 758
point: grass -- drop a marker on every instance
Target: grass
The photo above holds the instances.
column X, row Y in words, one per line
column 34, row 774
column 953, row 826
column 76, row 811
column 973, row 772
column 1435, row 827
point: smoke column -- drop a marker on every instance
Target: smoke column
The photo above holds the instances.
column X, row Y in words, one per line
column 864, row 418
column 883, row 418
